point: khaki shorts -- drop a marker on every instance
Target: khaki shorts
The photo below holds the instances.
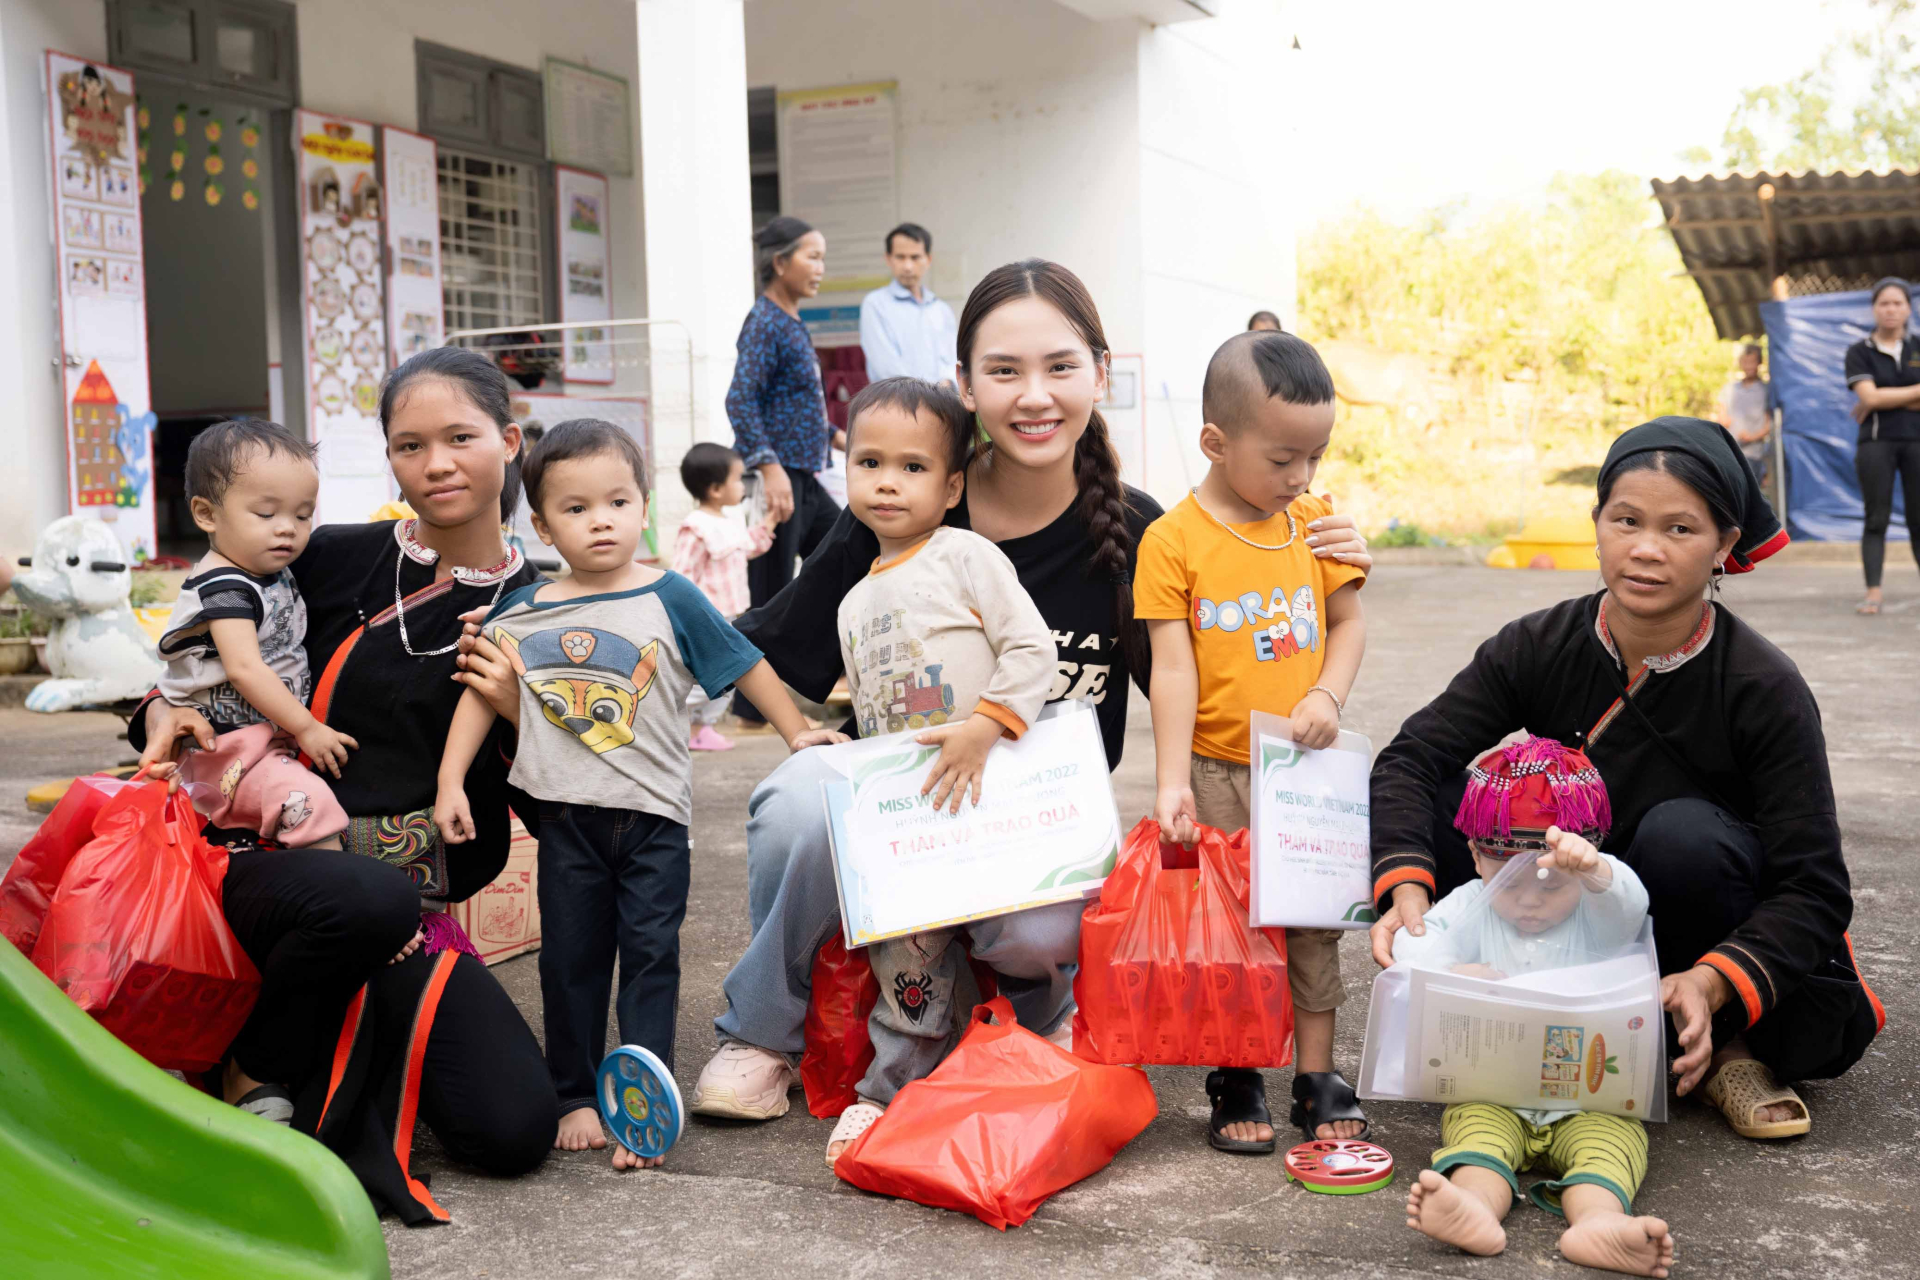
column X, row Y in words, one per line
column 1223, row 798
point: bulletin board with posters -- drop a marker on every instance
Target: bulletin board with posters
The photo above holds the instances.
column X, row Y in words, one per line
column 409, row 166
column 838, row 149
column 586, row 260
column 344, row 302
column 101, row 298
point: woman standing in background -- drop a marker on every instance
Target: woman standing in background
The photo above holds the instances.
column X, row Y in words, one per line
column 1883, row 372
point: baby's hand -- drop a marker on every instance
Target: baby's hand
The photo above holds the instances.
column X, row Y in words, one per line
column 1316, row 720
column 1575, row 855
column 962, row 759
column 817, row 738
column 326, row 747
column 1478, row 971
column 452, row 816
column 1173, row 809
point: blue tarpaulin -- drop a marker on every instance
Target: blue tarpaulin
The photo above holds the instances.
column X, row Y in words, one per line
column 1807, row 341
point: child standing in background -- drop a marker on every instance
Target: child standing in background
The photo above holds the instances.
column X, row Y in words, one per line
column 236, row 643
column 943, row 613
column 1242, row 618
column 1536, row 798
column 712, row 551
column 605, row 659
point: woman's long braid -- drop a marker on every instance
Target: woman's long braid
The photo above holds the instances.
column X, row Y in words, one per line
column 1103, row 510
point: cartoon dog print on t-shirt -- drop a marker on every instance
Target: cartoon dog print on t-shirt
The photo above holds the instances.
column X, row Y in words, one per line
column 590, row 682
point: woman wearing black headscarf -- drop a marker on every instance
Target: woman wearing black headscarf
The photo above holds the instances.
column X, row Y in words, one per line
column 1710, row 744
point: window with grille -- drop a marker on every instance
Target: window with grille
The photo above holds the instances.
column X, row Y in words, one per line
column 492, row 244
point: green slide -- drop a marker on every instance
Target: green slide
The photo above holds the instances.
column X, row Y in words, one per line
column 111, row 1167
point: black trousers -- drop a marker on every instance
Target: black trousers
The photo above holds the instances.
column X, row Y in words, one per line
column 612, row 882
column 794, row 539
column 1875, row 463
column 1701, row 867
column 318, row 923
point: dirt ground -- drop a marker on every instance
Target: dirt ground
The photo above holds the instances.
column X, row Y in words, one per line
column 757, row 1199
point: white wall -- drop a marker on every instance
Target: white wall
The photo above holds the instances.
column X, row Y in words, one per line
column 33, row 479
column 1019, row 129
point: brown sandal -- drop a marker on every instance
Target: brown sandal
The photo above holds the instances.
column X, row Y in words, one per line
column 1742, row 1087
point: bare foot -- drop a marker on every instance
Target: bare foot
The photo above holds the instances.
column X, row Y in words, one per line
column 1437, row 1208
column 1340, row 1129
column 1247, row 1131
column 624, row 1160
column 1615, row 1242
column 580, row 1130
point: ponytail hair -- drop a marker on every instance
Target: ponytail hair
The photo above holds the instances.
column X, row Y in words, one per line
column 1102, row 504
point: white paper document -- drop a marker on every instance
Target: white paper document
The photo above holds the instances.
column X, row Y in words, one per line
column 1045, row 829
column 1312, row 865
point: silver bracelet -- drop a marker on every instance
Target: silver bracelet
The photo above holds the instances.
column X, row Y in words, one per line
column 1340, row 708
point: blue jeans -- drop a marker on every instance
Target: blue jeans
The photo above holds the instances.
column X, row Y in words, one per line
column 611, row 880
column 793, row 908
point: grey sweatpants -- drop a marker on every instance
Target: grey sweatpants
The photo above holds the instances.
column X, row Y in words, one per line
column 792, row 908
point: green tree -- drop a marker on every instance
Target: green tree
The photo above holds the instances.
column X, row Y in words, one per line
column 1857, row 107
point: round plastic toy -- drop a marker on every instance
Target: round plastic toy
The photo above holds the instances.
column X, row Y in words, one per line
column 640, row 1102
column 1340, row 1167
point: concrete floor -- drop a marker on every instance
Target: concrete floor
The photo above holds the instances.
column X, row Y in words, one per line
column 757, row 1199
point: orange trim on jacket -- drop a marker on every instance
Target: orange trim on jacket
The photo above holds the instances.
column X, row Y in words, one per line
column 1388, row 880
column 1012, row 723
column 343, row 1051
column 410, row 1087
column 1738, row 979
column 1879, row 1010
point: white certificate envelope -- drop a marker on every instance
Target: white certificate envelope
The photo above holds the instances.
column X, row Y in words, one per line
column 1312, row 861
column 1045, row 830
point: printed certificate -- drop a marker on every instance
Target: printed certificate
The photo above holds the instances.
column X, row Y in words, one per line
column 1312, row 866
column 1045, row 830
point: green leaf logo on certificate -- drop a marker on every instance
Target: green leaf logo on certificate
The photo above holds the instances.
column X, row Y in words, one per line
column 1311, row 861
column 1045, row 830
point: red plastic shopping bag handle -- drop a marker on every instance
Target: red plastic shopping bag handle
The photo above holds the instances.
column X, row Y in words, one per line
column 995, row 1012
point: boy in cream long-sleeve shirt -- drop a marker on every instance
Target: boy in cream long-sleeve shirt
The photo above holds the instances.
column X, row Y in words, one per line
column 939, row 636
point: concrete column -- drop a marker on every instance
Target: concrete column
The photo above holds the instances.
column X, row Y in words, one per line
column 698, row 218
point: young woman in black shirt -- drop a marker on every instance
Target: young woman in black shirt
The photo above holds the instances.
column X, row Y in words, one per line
column 1045, row 487
column 1883, row 372
column 358, row 1039
column 1711, row 747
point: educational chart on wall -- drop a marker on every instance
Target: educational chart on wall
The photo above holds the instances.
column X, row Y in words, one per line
column 589, row 118
column 580, row 203
column 837, row 171
column 345, row 306
column 408, row 171
column 101, row 296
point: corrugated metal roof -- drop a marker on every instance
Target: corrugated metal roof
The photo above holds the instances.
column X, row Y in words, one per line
column 1822, row 231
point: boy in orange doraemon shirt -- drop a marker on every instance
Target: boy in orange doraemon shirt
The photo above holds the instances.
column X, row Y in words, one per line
column 1243, row 617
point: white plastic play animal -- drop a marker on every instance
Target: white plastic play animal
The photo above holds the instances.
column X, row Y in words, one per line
column 97, row 651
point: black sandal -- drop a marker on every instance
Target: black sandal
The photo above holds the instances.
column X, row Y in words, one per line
column 1323, row 1097
column 1239, row 1096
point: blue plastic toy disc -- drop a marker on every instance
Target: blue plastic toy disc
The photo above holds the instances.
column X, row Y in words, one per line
column 640, row 1102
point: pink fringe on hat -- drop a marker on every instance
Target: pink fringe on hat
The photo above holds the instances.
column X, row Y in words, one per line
column 1578, row 794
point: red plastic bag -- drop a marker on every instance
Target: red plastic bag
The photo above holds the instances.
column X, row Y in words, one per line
column 35, row 874
column 1170, row 971
column 838, row 1048
column 1007, row 1120
column 136, row 937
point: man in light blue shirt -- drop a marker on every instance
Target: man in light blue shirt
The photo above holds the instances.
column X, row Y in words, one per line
column 904, row 329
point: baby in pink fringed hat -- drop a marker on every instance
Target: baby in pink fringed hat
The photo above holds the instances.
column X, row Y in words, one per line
column 1536, row 799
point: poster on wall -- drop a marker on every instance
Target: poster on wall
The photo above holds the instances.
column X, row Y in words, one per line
column 837, row 171
column 344, row 302
column 589, row 118
column 409, row 171
column 101, row 295
column 542, row 409
column 586, row 286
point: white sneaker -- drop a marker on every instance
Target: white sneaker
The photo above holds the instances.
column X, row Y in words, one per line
column 744, row 1082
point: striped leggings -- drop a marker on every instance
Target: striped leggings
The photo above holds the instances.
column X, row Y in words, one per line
column 1608, row 1151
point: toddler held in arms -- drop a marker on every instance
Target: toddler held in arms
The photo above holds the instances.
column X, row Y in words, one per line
column 606, row 658
column 1243, row 617
column 236, row 645
column 1536, row 797
column 940, row 632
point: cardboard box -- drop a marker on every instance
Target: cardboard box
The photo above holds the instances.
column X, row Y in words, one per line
column 503, row 919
